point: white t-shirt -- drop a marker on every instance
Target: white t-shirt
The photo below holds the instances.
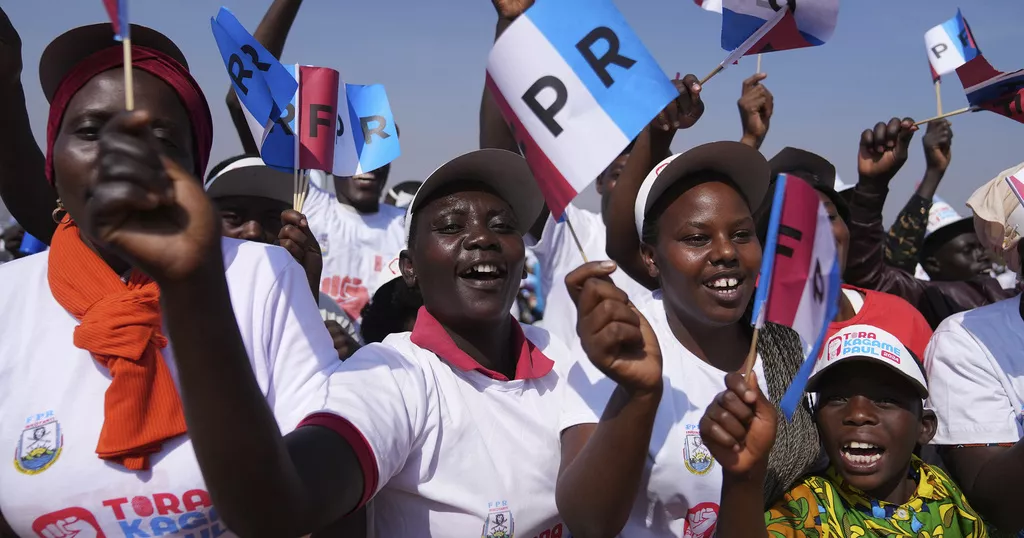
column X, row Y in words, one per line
column 558, row 256
column 976, row 375
column 356, row 247
column 450, row 449
column 52, row 397
column 682, row 484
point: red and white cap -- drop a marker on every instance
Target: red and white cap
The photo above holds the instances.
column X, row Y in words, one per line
column 869, row 343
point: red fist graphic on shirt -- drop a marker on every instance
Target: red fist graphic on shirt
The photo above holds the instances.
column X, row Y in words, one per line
column 349, row 293
column 701, row 521
column 68, row 523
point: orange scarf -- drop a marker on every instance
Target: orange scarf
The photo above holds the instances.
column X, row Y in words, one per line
column 120, row 326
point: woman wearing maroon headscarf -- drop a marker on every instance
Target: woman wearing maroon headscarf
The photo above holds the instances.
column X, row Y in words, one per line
column 89, row 403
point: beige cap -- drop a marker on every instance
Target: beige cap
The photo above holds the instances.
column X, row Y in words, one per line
column 999, row 215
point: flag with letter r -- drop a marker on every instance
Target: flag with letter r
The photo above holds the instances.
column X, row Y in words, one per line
column 799, row 284
column 576, row 85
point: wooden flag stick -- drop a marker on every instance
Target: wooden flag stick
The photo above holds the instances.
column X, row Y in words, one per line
column 947, row 115
column 748, row 366
column 712, row 74
column 575, row 238
column 129, row 88
column 759, row 68
column 938, row 96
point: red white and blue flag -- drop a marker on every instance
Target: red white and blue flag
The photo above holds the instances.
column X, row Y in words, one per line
column 576, row 85
column 992, row 90
column 800, row 278
column 710, row 5
column 118, row 11
column 950, row 45
column 759, row 26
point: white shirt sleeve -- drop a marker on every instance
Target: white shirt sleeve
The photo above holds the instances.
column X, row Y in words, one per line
column 386, row 397
column 296, row 346
column 965, row 391
column 556, row 251
column 585, row 390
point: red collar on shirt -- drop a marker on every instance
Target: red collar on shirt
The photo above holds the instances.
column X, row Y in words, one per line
column 430, row 335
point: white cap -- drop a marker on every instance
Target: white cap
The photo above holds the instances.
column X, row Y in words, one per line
column 505, row 172
column 869, row 343
column 742, row 164
column 941, row 215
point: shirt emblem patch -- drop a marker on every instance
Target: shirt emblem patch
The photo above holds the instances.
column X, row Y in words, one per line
column 499, row 523
column 40, row 444
column 696, row 456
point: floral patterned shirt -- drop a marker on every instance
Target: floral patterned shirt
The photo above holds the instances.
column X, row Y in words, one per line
column 824, row 506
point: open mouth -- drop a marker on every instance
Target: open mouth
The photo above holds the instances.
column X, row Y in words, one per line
column 861, row 455
column 726, row 288
column 484, row 275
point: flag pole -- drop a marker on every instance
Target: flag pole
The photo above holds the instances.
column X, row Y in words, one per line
column 712, row 74
column 748, row 365
column 575, row 238
column 129, row 89
column 759, row 68
column 938, row 95
column 947, row 115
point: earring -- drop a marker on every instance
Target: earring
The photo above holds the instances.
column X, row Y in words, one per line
column 59, row 214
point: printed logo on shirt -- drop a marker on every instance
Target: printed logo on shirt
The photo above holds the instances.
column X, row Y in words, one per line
column 71, row 522
column 696, row 456
column 40, row 444
column 325, row 244
column 350, row 294
column 499, row 523
column 701, row 521
column 190, row 515
column 553, row 532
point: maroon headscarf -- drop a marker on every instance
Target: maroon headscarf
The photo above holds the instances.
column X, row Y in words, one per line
column 153, row 62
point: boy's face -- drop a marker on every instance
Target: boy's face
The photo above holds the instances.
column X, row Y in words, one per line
column 870, row 419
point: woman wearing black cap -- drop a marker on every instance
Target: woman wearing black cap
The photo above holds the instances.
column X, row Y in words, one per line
column 633, row 462
column 89, row 390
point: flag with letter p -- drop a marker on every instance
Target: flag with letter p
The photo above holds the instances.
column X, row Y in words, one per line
column 799, row 284
column 804, row 23
column 576, row 85
column 950, row 45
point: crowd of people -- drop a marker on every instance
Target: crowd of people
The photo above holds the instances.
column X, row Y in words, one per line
column 181, row 357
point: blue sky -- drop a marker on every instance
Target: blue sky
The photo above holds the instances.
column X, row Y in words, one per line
column 432, row 59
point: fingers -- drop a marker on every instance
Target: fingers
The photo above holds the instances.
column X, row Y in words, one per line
column 691, row 108
column 128, row 152
column 574, row 280
column 880, row 137
column 692, row 86
column 753, row 80
column 867, row 139
column 906, row 132
column 729, row 416
column 597, row 290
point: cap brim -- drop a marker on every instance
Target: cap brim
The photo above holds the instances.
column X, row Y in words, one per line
column 949, row 231
column 250, row 177
column 812, row 382
column 503, row 171
column 742, row 164
column 794, row 159
column 77, row 44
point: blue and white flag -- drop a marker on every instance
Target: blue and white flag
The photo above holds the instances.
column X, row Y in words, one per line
column 367, row 137
column 950, row 45
column 365, row 140
column 576, row 85
column 263, row 85
column 800, row 279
